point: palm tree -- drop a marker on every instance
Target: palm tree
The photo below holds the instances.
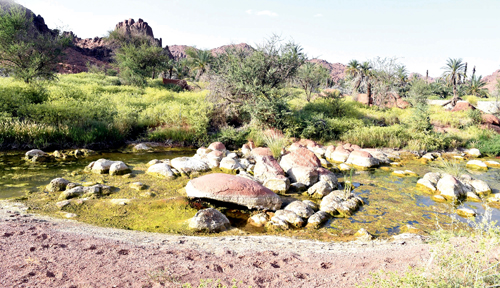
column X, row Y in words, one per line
column 453, row 69
column 353, row 70
column 366, row 71
column 402, row 75
column 199, row 60
column 476, row 86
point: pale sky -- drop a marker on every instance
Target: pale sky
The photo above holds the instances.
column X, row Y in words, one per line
column 422, row 34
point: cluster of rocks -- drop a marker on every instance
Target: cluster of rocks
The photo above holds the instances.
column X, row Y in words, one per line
column 72, row 190
column 448, row 187
column 260, row 175
column 105, row 166
column 37, row 156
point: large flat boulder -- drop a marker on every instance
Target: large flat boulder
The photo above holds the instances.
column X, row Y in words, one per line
column 233, row 189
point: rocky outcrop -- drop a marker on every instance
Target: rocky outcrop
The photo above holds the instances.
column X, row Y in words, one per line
column 233, row 189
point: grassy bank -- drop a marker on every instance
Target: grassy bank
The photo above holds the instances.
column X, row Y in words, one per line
column 96, row 111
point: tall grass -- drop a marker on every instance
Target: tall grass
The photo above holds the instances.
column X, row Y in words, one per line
column 84, row 109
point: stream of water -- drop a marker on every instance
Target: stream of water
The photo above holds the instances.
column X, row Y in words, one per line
column 392, row 202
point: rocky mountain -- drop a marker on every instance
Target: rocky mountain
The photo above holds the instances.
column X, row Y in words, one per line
column 179, row 51
column 491, row 80
column 336, row 69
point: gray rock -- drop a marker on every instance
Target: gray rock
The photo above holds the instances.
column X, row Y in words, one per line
column 187, row 165
column 229, row 164
column 141, row 147
column 258, row 220
column 36, row 155
column 118, row 168
column 290, row 217
column 312, row 205
column 338, row 202
column 71, row 193
column 209, row 220
column 305, row 175
column 57, row 184
column 300, row 208
column 320, row 189
column 101, row 166
column 161, row 170
column 317, row 219
column 280, row 184
column 450, row 187
column 63, row 204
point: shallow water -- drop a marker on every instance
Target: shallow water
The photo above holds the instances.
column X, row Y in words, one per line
column 391, row 202
column 18, row 176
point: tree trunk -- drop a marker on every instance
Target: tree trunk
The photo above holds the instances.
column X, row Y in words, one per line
column 427, row 76
column 474, row 71
column 454, row 100
column 369, row 93
column 465, row 72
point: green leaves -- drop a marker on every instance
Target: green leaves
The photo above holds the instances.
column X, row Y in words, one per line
column 25, row 53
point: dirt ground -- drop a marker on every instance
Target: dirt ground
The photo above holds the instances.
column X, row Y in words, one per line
column 38, row 251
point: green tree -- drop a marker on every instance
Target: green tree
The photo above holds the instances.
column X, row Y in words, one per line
column 353, row 71
column 453, row 70
column 26, row 53
column 254, row 81
column 137, row 56
column 476, row 87
column 199, row 60
column 311, row 77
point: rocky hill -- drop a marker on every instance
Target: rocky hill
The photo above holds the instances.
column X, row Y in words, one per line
column 491, row 80
column 336, row 69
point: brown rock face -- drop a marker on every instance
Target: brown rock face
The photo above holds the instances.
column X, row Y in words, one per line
column 463, row 106
column 233, row 189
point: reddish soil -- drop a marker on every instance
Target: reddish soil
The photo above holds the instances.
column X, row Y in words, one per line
column 39, row 251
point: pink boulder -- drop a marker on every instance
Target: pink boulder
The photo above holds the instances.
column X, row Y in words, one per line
column 233, row 189
column 300, row 157
column 217, row 146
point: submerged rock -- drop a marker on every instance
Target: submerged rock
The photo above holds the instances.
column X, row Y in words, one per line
column 209, row 220
column 141, row 147
column 477, row 165
column 340, row 202
column 466, row 212
column 233, row 189
column 36, row 155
